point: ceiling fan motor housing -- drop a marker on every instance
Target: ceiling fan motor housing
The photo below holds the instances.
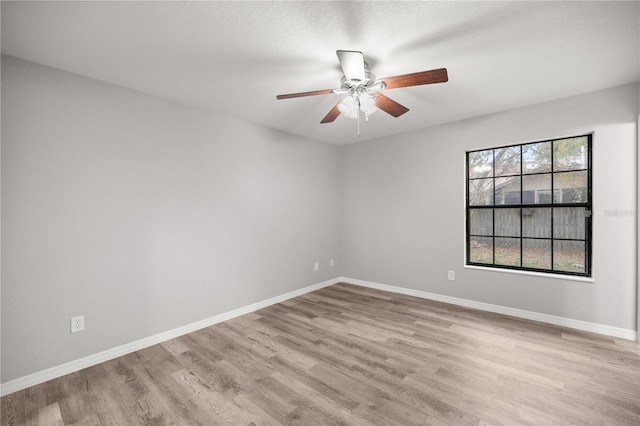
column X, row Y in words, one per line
column 369, row 80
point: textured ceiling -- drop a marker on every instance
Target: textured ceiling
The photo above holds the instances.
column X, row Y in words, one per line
column 235, row 57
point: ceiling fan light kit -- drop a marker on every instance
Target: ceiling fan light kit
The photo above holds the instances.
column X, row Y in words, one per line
column 351, row 106
column 362, row 89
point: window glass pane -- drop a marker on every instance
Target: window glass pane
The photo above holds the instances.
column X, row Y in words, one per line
column 528, row 197
column 570, row 154
column 538, row 188
column 507, row 161
column 536, row 157
column 480, row 192
column 481, row 164
column 544, row 196
column 481, row 249
column 507, row 222
column 536, row 223
column 572, row 186
column 508, row 190
column 508, row 251
column 568, row 222
column 569, row 256
column 536, row 254
column 481, row 222
column 574, row 195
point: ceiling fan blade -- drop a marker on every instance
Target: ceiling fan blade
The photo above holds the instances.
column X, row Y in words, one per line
column 332, row 115
column 302, row 94
column 352, row 63
column 416, row 79
column 390, row 106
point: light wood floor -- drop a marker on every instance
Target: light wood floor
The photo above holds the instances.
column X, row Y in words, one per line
column 352, row 355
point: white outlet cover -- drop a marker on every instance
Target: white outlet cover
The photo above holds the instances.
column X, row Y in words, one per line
column 77, row 324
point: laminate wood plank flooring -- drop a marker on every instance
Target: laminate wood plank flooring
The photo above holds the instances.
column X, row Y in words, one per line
column 351, row 355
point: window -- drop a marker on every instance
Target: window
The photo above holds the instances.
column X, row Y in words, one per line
column 529, row 206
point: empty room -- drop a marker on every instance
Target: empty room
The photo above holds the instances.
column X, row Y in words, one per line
column 319, row 212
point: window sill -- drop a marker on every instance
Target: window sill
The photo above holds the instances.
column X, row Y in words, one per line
column 534, row 274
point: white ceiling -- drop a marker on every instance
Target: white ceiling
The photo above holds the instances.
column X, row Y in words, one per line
column 235, row 57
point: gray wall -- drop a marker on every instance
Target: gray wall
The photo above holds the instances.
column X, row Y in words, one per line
column 403, row 208
column 144, row 215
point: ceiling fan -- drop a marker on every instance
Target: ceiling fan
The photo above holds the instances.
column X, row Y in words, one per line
column 362, row 89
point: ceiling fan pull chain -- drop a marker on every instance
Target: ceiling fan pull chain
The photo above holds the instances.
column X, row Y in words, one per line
column 358, row 114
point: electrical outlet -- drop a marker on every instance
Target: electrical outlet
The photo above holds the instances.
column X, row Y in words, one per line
column 451, row 275
column 77, row 324
column 332, row 263
column 316, row 266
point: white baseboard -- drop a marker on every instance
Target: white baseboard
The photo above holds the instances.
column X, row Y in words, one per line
column 622, row 333
column 88, row 361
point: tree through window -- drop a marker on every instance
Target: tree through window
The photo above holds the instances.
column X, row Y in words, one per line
column 529, row 206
